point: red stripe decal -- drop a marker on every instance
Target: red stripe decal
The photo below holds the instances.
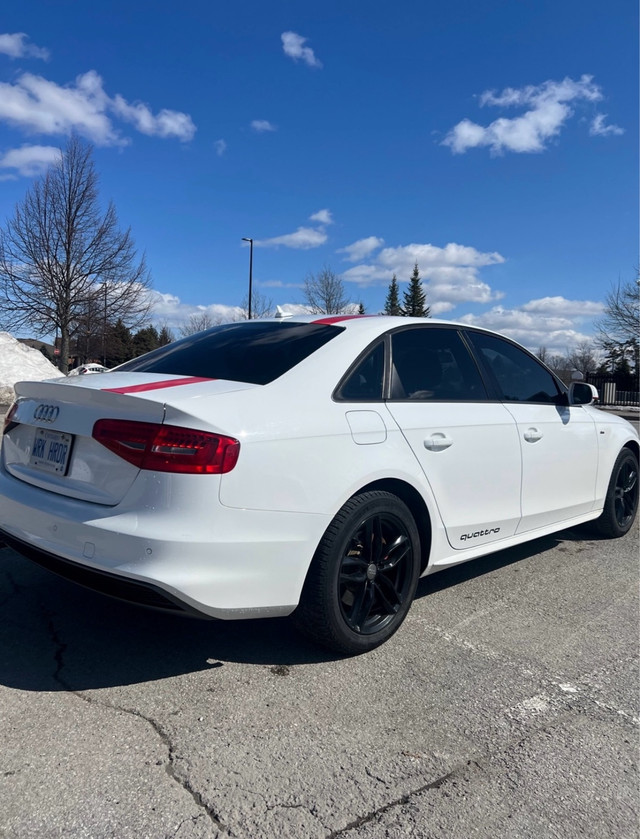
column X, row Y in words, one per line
column 192, row 380
column 339, row 318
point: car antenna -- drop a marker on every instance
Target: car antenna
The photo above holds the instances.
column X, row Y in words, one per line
column 281, row 314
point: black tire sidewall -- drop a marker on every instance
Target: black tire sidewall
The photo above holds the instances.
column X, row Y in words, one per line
column 607, row 523
column 331, row 552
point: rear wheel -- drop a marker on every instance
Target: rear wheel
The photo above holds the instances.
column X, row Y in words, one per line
column 363, row 576
column 621, row 502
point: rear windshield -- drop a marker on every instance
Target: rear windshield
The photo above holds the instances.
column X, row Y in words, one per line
column 256, row 352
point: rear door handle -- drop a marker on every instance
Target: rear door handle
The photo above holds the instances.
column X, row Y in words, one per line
column 532, row 435
column 437, row 442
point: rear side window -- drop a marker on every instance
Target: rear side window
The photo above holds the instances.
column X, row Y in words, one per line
column 365, row 382
column 433, row 363
column 518, row 376
column 255, row 351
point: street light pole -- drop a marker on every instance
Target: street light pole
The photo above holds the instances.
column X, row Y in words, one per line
column 104, row 328
column 250, row 274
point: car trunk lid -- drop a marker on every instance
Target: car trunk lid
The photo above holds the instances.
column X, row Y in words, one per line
column 48, row 442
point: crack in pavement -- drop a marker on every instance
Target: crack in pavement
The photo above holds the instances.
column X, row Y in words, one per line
column 397, row 802
column 474, row 763
column 170, row 767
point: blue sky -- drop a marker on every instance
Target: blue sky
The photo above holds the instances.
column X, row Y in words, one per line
column 492, row 141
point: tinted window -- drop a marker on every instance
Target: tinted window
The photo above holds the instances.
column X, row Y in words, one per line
column 518, row 376
column 256, row 352
column 365, row 382
column 433, row 363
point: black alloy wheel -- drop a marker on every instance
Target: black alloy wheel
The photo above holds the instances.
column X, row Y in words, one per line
column 621, row 502
column 626, row 493
column 363, row 576
column 375, row 573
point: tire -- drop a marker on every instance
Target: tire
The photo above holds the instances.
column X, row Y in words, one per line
column 355, row 597
column 621, row 501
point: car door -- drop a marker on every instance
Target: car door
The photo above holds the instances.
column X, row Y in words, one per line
column 558, row 441
column 467, row 445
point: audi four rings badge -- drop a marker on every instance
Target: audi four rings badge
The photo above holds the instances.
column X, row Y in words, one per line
column 46, row 413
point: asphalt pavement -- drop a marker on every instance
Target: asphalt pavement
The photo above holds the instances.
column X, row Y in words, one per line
column 506, row 706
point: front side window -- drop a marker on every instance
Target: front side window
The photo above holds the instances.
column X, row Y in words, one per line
column 433, row 363
column 256, row 351
column 517, row 375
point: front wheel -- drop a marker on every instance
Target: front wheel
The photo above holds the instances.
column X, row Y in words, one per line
column 621, row 502
column 363, row 576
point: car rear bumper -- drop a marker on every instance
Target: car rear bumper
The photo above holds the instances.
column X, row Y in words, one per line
column 231, row 564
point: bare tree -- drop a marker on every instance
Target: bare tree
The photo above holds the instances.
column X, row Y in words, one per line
column 261, row 306
column 64, row 265
column 198, row 323
column 324, row 293
column 621, row 320
column 583, row 358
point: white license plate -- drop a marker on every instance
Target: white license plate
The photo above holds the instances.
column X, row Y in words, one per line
column 51, row 450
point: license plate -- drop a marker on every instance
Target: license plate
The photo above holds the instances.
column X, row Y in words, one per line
column 51, row 450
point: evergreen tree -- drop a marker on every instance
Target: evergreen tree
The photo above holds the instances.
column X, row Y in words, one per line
column 392, row 303
column 119, row 344
column 165, row 336
column 361, row 309
column 145, row 340
column 415, row 298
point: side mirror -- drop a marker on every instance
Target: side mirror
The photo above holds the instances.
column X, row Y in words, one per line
column 581, row 393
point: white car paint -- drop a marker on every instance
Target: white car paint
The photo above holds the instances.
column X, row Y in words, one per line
column 240, row 544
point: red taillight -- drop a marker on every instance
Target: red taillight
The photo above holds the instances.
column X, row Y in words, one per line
column 10, row 415
column 168, row 448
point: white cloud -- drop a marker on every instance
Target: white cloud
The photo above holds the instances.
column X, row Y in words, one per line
column 362, row 248
column 599, row 129
column 549, row 107
column 303, row 239
column 569, row 308
column 16, row 46
column 262, row 125
column 450, row 274
column 37, row 105
column 169, row 309
column 553, row 322
column 28, row 160
column 220, row 147
column 280, row 284
column 40, row 106
column 293, row 46
column 322, row 217
column 165, row 123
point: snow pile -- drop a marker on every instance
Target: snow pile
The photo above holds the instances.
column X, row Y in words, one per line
column 19, row 363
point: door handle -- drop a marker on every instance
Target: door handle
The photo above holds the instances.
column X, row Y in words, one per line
column 437, row 442
column 532, row 435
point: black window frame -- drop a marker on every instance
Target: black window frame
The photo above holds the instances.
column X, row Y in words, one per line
column 386, row 340
column 491, row 382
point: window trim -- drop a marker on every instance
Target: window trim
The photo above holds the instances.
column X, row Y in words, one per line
column 439, row 401
column 491, row 382
column 336, row 396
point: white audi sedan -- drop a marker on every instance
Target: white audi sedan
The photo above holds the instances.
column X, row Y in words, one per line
column 309, row 465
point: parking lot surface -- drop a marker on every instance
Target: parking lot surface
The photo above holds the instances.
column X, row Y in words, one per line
column 506, row 706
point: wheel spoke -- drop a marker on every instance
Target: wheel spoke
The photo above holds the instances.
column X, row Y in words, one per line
column 374, row 539
column 353, row 569
column 396, row 553
column 388, row 594
column 362, row 606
